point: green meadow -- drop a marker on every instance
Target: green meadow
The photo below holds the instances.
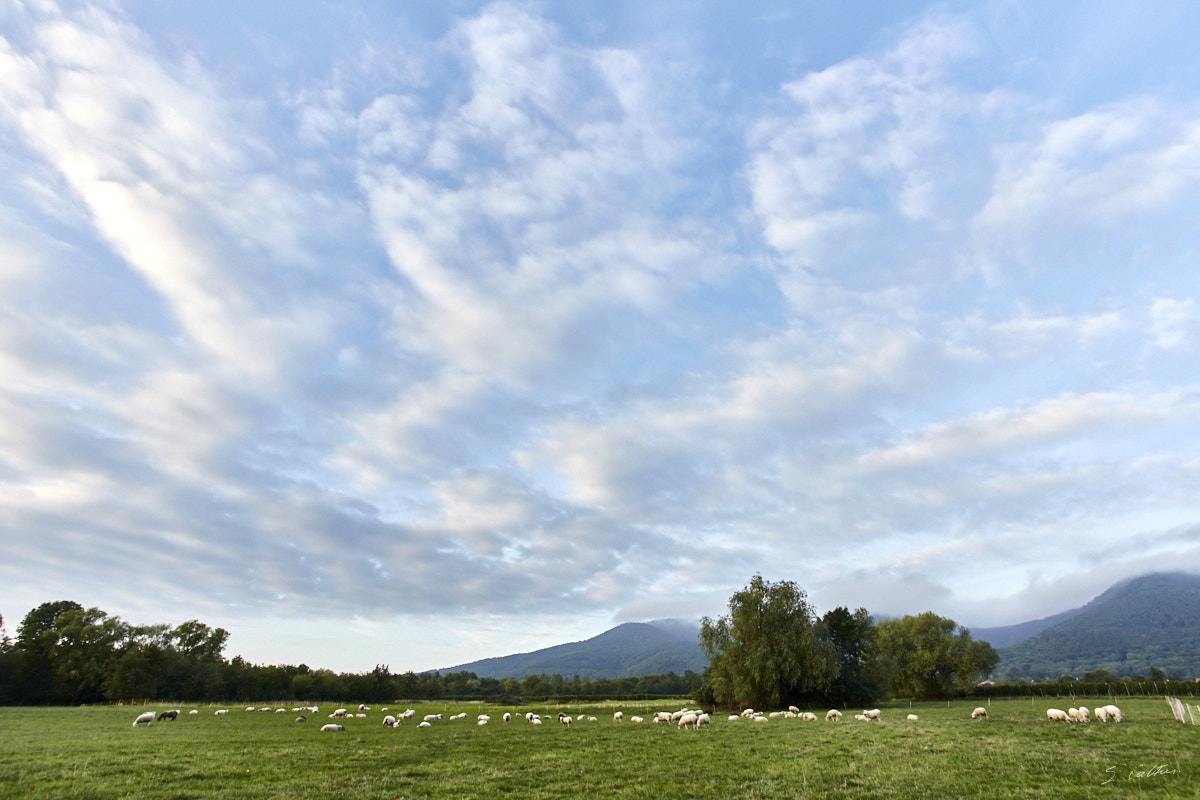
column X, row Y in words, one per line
column 94, row 752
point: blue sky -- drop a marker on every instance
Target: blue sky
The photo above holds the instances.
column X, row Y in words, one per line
column 419, row 333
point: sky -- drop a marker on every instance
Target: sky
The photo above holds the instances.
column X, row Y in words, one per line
column 417, row 333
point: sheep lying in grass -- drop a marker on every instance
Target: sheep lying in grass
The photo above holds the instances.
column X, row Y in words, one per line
column 144, row 719
column 220, row 712
column 330, row 727
column 913, row 718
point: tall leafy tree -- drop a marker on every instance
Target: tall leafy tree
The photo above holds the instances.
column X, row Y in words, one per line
column 35, row 641
column 931, row 657
column 860, row 678
column 767, row 649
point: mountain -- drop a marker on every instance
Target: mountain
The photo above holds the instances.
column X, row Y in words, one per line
column 1005, row 635
column 630, row 650
column 1151, row 621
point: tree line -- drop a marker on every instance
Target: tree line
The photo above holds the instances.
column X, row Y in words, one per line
column 65, row 654
column 771, row 650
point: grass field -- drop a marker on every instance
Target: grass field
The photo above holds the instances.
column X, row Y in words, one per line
column 1015, row 753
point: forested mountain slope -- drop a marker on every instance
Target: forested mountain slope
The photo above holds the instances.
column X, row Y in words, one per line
column 1151, row 621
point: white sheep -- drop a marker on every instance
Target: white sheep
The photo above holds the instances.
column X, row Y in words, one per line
column 636, row 720
column 1113, row 713
column 618, row 716
column 389, row 721
column 424, row 724
column 734, row 717
column 689, row 720
column 481, row 722
column 912, row 718
column 980, row 711
column 338, row 712
column 193, row 711
column 220, row 712
column 301, row 718
column 1057, row 715
column 703, row 719
column 833, row 715
column 330, row 727
column 793, row 709
column 1084, row 714
column 1101, row 714
column 564, row 719
column 144, row 719
column 536, row 720
column 747, row 712
column 872, row 714
column 808, row 716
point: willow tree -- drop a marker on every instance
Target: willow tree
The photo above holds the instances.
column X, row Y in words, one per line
column 767, row 649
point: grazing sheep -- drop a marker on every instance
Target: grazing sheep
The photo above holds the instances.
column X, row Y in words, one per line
column 424, row 724
column 912, row 718
column 618, row 716
column 1112, row 712
column 689, row 720
column 389, row 721
column 663, row 716
column 747, row 712
column 1085, row 715
column 339, row 712
column 507, row 716
column 536, row 720
column 734, row 717
column 1057, row 715
column 808, row 716
column 432, row 717
column 301, row 718
column 481, row 722
column 979, row 712
column 565, row 719
column 144, row 719
column 793, row 709
column 361, row 707
column 1101, row 714
column 636, row 720
column 330, row 727
column 171, row 715
column 193, row 711
column 833, row 716
column 872, row 714
column 703, row 719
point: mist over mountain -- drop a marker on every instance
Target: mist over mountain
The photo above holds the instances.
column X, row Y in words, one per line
column 1150, row 621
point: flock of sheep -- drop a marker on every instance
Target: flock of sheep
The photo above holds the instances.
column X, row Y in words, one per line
column 684, row 718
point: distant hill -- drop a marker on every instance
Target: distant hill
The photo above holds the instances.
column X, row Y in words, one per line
column 630, row 650
column 1005, row 635
column 1149, row 621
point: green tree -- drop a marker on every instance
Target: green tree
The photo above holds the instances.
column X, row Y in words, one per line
column 860, row 678
column 931, row 657
column 767, row 649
